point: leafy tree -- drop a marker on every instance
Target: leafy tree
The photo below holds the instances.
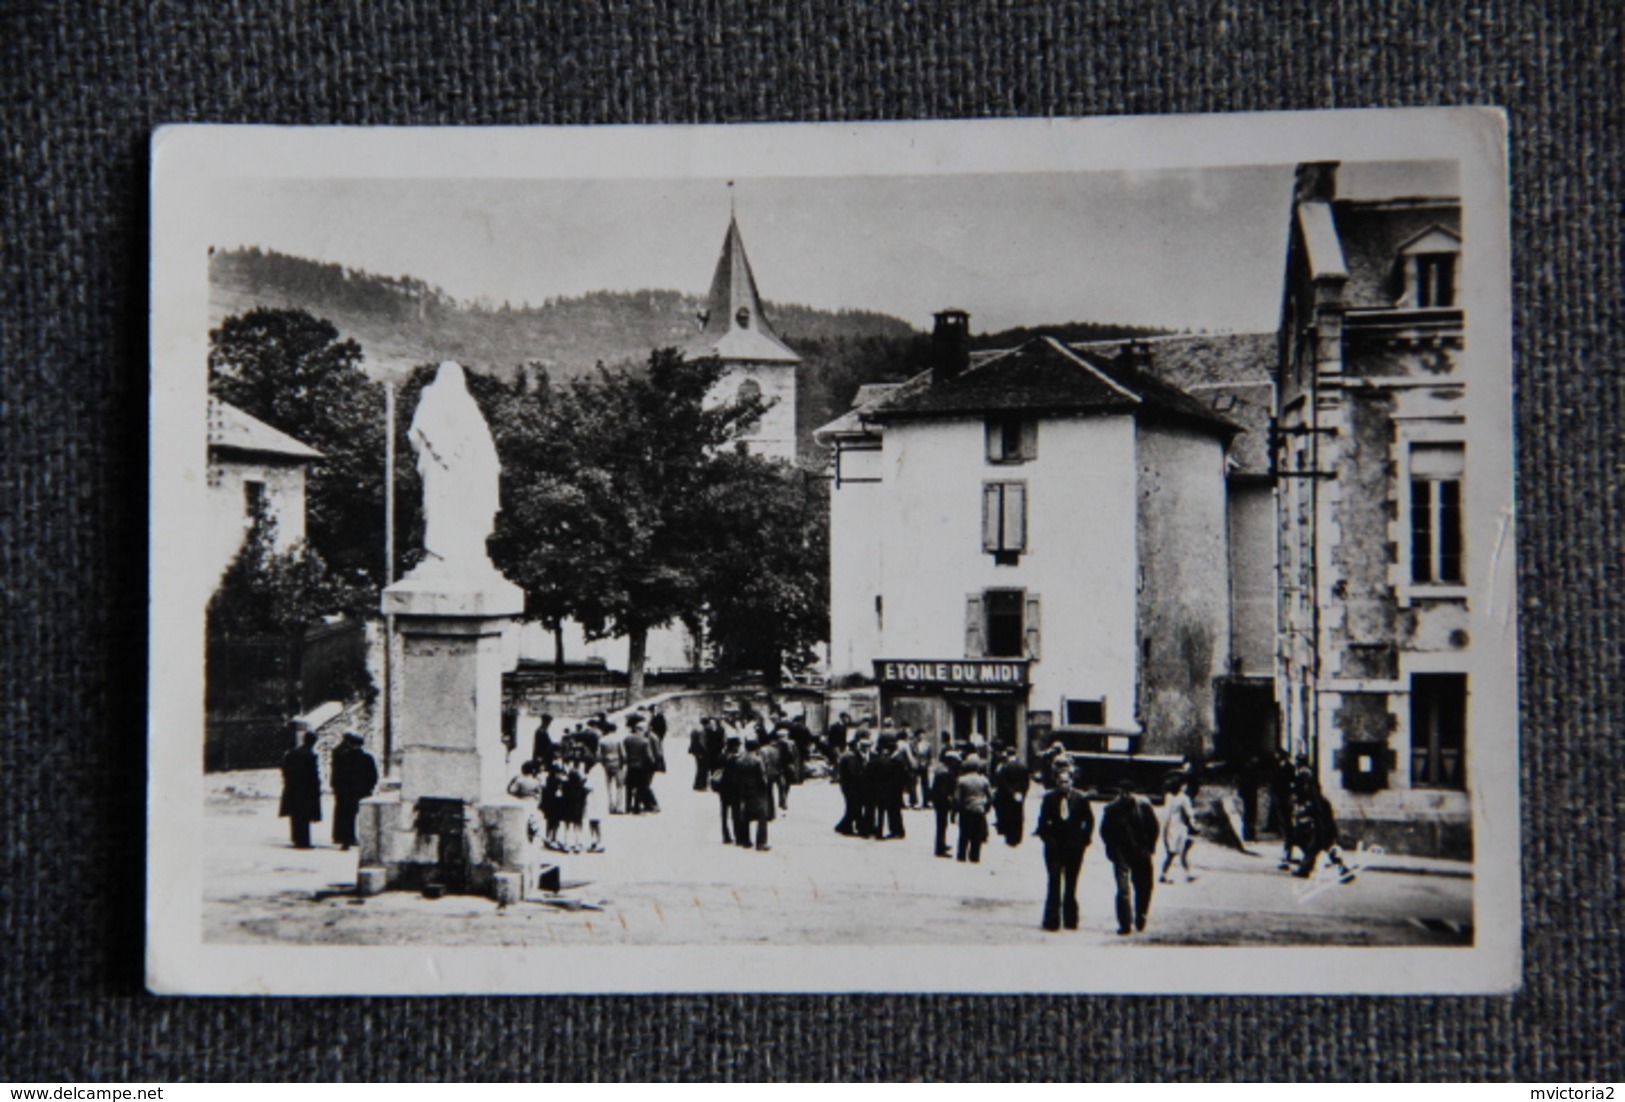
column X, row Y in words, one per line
column 767, row 579
column 292, row 371
column 269, row 592
column 646, row 446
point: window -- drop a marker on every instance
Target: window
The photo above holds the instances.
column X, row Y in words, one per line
column 1002, row 623
column 1012, row 439
column 1084, row 713
column 1436, row 546
column 743, row 317
column 1439, row 730
column 1004, row 521
column 1436, row 279
column 255, row 503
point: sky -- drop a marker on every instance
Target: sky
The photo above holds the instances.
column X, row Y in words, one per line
column 1184, row 249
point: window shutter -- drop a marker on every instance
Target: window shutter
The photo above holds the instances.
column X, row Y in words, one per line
column 995, row 440
column 1029, row 439
column 973, row 625
column 1033, row 627
column 1015, row 506
column 991, row 517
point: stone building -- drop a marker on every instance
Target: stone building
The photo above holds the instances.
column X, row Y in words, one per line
column 1376, row 567
column 1040, row 539
column 253, row 470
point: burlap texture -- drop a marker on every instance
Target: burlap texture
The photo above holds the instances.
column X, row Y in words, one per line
column 85, row 84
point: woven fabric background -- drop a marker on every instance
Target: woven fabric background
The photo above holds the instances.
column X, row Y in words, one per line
column 84, row 85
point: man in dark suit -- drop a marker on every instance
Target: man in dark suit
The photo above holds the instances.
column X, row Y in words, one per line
column 1128, row 827
column 355, row 775
column 944, row 777
column 745, row 779
column 301, row 790
column 849, row 771
column 702, row 758
column 1011, row 780
column 725, row 786
column 1066, row 824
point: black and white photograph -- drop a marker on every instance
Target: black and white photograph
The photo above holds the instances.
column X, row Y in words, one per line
column 1004, row 556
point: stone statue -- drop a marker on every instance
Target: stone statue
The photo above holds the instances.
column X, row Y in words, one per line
column 457, row 461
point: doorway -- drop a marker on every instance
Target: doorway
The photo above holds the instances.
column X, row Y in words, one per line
column 995, row 721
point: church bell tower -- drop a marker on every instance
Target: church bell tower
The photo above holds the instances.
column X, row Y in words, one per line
column 755, row 360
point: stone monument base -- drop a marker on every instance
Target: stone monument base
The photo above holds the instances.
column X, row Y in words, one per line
column 449, row 846
column 450, row 826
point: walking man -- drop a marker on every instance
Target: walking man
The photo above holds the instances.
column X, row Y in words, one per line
column 355, row 775
column 1128, row 827
column 1066, row 825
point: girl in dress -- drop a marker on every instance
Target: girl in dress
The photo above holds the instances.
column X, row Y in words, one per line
column 597, row 802
column 527, row 786
column 1179, row 830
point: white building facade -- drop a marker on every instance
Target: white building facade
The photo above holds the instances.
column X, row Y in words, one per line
column 254, row 470
column 1033, row 543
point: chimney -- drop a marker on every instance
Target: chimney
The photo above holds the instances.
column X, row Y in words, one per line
column 1316, row 182
column 950, row 345
column 1134, row 354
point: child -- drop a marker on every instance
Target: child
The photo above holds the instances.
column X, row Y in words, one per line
column 553, row 803
column 597, row 801
column 527, row 786
column 574, row 802
column 1179, row 829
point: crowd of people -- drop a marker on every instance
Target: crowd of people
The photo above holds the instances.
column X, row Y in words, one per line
column 575, row 779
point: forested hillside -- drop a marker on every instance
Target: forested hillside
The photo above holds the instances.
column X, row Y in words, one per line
column 402, row 321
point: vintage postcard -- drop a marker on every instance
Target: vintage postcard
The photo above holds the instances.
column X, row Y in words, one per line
column 1008, row 556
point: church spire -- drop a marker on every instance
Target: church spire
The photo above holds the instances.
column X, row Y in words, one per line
column 733, row 324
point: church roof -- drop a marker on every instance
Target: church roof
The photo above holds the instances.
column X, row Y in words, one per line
column 230, row 427
column 734, row 325
column 1044, row 376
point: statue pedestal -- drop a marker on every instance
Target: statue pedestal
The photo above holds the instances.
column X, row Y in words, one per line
column 452, row 822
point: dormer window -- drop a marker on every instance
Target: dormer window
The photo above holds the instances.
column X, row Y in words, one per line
column 1436, row 279
column 743, row 317
column 1427, row 269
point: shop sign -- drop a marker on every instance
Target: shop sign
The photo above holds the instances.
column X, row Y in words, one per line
column 952, row 673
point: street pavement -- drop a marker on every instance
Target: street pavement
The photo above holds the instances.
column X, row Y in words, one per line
column 667, row 879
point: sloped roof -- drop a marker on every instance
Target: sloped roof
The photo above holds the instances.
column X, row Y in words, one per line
column 1231, row 373
column 1321, row 242
column 735, row 327
column 230, row 427
column 1045, row 376
column 870, row 397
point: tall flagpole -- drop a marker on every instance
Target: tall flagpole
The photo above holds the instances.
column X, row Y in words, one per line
column 389, row 567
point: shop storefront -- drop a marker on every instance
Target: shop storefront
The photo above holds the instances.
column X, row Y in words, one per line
column 968, row 698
